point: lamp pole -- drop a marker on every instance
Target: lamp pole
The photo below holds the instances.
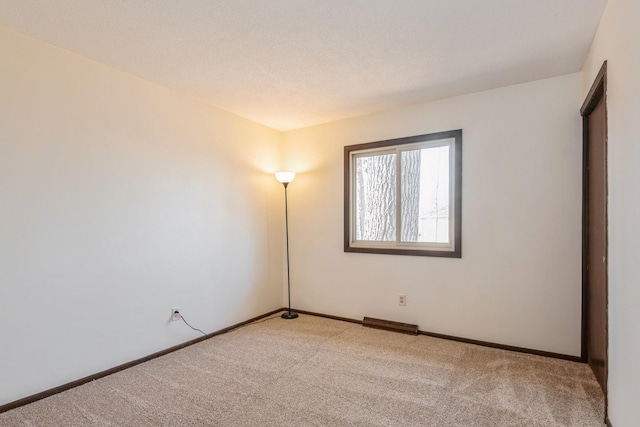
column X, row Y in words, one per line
column 285, row 178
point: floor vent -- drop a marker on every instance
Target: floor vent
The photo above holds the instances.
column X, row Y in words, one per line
column 388, row 325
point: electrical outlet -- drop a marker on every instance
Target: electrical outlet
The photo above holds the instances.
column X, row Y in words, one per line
column 175, row 314
column 402, row 299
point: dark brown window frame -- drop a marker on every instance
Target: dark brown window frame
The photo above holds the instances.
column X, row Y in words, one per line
column 457, row 210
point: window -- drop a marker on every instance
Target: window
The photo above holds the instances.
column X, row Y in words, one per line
column 403, row 196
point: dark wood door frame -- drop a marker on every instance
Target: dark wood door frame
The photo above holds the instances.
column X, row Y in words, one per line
column 597, row 93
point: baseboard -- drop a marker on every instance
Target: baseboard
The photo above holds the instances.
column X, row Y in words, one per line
column 76, row 383
column 464, row 340
column 505, row 347
column 327, row 316
column 608, row 422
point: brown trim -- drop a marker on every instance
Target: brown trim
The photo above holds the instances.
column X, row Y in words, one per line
column 79, row 382
column 388, row 325
column 597, row 92
column 585, row 238
column 328, row 316
column 101, row 374
column 598, row 89
column 505, row 347
column 463, row 340
column 457, row 214
column 416, row 252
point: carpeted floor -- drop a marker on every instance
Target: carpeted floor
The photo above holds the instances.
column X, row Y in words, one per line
column 318, row 372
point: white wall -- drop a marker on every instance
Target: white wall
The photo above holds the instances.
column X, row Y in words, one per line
column 118, row 200
column 618, row 41
column 519, row 279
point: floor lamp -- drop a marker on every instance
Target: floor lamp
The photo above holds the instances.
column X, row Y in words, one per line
column 285, row 178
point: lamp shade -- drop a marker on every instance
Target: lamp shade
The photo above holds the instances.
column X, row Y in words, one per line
column 285, row 177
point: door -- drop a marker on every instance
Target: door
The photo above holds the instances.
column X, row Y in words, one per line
column 595, row 229
column 597, row 253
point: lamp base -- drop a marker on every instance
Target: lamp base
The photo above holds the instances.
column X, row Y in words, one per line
column 289, row 315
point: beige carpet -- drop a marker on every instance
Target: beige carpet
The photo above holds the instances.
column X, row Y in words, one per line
column 318, row 372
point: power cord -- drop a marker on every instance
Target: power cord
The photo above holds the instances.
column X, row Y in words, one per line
column 187, row 323
column 274, row 316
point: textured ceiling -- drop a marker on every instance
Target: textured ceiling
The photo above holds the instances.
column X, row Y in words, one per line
column 295, row 63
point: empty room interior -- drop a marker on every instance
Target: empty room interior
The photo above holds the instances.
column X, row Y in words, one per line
column 466, row 184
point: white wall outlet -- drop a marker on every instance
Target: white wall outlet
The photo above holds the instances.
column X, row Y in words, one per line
column 175, row 314
column 402, row 299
